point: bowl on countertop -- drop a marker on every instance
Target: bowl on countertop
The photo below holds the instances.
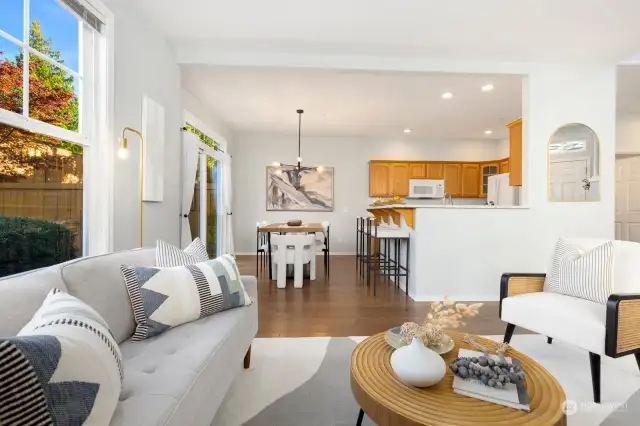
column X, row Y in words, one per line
column 294, row 222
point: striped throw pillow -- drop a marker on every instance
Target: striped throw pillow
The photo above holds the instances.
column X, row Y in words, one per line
column 168, row 255
column 63, row 368
column 584, row 275
column 163, row 298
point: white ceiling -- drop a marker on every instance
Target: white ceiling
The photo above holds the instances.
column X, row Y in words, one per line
column 363, row 104
column 523, row 30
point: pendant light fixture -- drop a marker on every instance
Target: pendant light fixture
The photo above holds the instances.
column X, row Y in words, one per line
column 297, row 167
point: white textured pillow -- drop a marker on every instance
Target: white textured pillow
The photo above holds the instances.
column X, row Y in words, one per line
column 585, row 275
column 168, row 255
column 63, row 368
column 163, row 298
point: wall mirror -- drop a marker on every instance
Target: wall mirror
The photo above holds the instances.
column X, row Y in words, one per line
column 574, row 164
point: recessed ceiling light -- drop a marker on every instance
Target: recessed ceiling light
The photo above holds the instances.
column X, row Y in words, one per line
column 488, row 132
column 447, row 95
column 487, row 87
column 407, row 130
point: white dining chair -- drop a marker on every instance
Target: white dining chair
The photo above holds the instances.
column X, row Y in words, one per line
column 296, row 250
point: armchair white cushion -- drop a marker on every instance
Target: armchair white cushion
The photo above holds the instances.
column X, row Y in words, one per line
column 576, row 321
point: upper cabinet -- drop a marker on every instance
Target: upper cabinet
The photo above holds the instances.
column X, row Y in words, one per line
column 418, row 170
column 435, row 171
column 515, row 153
column 504, row 166
column 463, row 179
column 399, row 177
column 379, row 180
column 388, row 179
column 453, row 179
column 487, row 170
column 470, row 180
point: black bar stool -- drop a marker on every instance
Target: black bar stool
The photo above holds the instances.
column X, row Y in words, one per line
column 383, row 251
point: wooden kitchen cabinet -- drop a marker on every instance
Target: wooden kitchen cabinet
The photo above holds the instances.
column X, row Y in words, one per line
column 379, row 179
column 470, row 180
column 515, row 152
column 435, row 171
column 487, row 170
column 504, row 166
column 452, row 174
column 399, row 179
column 418, row 171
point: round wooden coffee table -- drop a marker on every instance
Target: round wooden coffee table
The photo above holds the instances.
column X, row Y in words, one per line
column 388, row 402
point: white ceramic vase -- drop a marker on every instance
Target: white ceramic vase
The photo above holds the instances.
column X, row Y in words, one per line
column 416, row 365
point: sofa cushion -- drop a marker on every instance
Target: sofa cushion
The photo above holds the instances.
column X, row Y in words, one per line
column 181, row 376
column 168, row 297
column 64, row 367
column 21, row 296
column 168, row 255
column 98, row 282
column 576, row 321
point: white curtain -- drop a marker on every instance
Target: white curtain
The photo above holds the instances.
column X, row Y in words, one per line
column 190, row 154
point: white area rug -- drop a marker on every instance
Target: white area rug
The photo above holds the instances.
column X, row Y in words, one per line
column 305, row 381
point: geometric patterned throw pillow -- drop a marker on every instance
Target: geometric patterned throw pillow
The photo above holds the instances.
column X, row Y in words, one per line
column 584, row 275
column 163, row 298
column 168, row 255
column 63, row 368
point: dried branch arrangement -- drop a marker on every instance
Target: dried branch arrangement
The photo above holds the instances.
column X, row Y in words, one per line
column 443, row 315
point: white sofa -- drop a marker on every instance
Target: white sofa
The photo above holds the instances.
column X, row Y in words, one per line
column 612, row 330
column 177, row 378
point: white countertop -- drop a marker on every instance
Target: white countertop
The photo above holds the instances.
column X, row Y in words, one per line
column 448, row 206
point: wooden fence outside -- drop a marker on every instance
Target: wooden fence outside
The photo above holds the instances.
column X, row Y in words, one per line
column 55, row 202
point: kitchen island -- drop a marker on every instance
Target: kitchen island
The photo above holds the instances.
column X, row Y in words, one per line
column 461, row 251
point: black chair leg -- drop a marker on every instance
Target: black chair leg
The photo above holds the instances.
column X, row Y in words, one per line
column 595, row 376
column 509, row 333
column 549, row 340
column 360, row 418
column 637, row 355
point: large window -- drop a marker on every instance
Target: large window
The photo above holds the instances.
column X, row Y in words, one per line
column 54, row 120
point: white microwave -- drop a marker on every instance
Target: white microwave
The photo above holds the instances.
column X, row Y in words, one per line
column 426, row 188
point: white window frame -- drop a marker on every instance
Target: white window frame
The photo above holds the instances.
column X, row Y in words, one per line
column 96, row 120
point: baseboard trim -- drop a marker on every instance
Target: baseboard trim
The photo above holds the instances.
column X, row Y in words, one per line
column 339, row 253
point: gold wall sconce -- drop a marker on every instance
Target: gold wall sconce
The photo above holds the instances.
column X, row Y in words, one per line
column 123, row 153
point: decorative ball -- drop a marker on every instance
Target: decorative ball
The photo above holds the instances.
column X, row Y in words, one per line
column 492, row 373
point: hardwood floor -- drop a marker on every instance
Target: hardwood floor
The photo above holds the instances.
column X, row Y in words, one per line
column 341, row 305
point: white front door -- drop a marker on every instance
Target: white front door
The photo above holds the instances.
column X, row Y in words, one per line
column 628, row 198
column 566, row 180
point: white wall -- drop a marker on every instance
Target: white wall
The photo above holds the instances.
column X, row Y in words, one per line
column 144, row 64
column 628, row 134
column 349, row 157
column 217, row 127
column 503, row 148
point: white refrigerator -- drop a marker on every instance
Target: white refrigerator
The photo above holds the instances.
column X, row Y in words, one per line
column 500, row 192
